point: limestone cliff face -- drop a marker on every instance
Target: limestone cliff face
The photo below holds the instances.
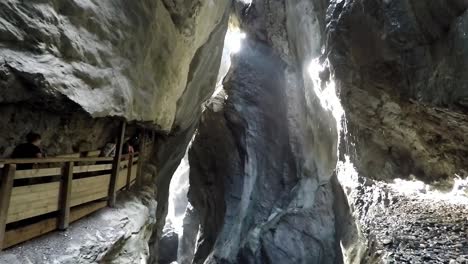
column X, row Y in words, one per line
column 380, row 81
column 400, row 67
column 71, row 70
column 265, row 152
column 132, row 59
column 252, row 191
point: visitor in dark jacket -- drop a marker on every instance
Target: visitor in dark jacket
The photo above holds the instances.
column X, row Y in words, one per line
column 28, row 150
column 131, row 145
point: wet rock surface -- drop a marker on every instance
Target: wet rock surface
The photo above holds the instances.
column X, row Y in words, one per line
column 257, row 195
column 168, row 246
column 254, row 204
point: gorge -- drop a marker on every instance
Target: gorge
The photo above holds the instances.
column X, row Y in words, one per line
column 294, row 131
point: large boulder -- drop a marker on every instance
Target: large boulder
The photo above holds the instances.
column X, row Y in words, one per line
column 111, row 58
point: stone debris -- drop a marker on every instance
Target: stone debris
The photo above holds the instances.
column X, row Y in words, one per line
column 411, row 227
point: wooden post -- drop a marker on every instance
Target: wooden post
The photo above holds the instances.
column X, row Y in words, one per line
column 65, row 196
column 116, row 166
column 6, row 188
column 141, row 156
column 129, row 171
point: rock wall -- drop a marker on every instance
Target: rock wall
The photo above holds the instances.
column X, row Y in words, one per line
column 263, row 185
column 319, row 81
column 399, row 67
column 171, row 149
column 247, row 188
column 110, row 58
column 72, row 70
column 265, row 151
column 61, row 134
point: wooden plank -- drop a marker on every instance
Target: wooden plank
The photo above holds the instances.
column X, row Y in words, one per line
column 122, row 179
column 6, row 188
column 129, row 172
column 143, row 150
column 23, row 197
column 94, row 153
column 134, row 172
column 53, row 160
column 116, row 166
column 90, row 168
column 34, row 173
column 87, row 209
column 123, row 164
column 33, row 200
column 65, row 196
column 89, row 189
column 89, row 197
column 16, row 236
column 28, row 190
column 71, row 155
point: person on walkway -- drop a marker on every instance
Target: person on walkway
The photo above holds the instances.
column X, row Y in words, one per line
column 109, row 149
column 131, row 145
column 29, row 150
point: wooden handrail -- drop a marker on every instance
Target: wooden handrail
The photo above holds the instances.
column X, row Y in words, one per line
column 62, row 160
column 127, row 156
column 68, row 193
column 53, row 160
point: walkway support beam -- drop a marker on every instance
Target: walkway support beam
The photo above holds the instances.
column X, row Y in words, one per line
column 129, row 171
column 8, row 176
column 116, row 166
column 65, row 196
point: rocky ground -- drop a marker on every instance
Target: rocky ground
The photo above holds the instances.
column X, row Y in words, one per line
column 406, row 223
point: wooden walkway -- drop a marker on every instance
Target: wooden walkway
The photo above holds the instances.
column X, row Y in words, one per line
column 38, row 201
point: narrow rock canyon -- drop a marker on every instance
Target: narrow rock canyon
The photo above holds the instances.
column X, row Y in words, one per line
column 282, row 131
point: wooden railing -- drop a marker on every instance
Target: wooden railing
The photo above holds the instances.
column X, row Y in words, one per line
column 36, row 201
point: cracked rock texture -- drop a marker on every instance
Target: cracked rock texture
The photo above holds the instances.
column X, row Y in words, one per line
column 255, row 204
column 263, row 160
column 265, row 151
column 401, row 69
column 380, row 82
column 133, row 59
column 72, row 70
